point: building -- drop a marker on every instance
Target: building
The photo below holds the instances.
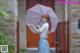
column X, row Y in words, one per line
column 65, row 39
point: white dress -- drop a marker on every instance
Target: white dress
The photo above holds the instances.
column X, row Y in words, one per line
column 43, row 43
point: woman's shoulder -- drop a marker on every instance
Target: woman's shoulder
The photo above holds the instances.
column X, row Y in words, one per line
column 46, row 24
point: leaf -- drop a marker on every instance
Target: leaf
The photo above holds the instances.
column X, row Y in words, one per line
column 6, row 16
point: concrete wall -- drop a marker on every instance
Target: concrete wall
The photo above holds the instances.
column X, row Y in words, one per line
column 60, row 11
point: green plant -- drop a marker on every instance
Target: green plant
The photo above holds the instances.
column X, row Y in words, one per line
column 3, row 11
column 4, row 40
column 23, row 50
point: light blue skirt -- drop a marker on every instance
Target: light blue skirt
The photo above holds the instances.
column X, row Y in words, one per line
column 43, row 46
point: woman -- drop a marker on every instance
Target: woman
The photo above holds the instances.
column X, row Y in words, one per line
column 43, row 31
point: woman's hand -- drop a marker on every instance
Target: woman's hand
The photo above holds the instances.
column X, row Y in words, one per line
column 38, row 26
column 30, row 25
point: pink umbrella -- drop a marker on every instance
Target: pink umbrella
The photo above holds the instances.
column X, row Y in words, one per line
column 34, row 16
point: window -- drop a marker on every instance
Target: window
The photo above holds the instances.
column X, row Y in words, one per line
column 78, row 23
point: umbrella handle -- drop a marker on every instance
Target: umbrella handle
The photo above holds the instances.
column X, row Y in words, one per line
column 38, row 26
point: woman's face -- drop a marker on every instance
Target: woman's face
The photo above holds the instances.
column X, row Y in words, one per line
column 44, row 19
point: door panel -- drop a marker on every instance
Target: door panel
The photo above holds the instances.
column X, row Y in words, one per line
column 33, row 39
column 62, row 45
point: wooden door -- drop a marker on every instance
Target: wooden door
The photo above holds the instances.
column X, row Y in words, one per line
column 33, row 39
column 62, row 37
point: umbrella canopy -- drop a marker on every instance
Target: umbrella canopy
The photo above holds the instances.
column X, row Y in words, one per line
column 34, row 16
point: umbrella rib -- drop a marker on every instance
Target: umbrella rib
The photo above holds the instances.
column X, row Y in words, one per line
column 34, row 12
column 41, row 10
column 48, row 11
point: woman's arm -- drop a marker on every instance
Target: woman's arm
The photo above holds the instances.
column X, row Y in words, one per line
column 39, row 29
column 35, row 28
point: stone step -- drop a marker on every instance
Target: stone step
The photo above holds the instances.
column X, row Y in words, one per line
column 35, row 51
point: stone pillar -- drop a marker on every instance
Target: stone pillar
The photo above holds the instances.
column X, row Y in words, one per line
column 10, row 29
column 74, row 31
column 22, row 20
